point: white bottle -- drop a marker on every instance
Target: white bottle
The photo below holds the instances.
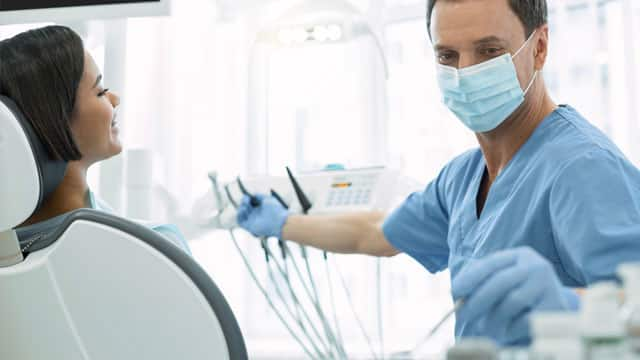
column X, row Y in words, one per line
column 603, row 332
column 473, row 349
column 630, row 275
column 556, row 336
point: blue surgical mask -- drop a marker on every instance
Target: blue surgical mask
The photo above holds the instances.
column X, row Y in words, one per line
column 483, row 96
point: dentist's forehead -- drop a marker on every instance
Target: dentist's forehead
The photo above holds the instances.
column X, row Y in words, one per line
column 459, row 23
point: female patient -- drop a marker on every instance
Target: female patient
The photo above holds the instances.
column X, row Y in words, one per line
column 58, row 86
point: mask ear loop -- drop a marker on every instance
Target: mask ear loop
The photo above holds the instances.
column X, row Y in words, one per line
column 524, row 44
column 535, row 74
column 533, row 79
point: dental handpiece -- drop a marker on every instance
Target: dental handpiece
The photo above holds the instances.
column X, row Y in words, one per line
column 279, row 199
column 255, row 201
column 213, row 177
column 230, row 197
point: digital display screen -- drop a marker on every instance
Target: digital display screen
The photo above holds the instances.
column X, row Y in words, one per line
column 11, row 5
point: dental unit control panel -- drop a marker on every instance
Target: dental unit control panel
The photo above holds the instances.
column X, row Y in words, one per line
column 336, row 191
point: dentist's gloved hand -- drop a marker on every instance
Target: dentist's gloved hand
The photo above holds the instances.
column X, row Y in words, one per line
column 265, row 220
column 503, row 289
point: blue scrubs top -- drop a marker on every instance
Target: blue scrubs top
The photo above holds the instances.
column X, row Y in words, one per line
column 569, row 193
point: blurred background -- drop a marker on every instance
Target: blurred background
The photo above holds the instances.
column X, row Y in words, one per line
column 230, row 86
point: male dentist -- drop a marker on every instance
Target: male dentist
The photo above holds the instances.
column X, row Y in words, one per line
column 546, row 204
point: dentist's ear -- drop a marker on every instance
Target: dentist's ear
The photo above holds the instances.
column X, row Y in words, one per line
column 541, row 49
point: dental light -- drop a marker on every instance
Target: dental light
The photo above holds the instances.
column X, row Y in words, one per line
column 313, row 22
column 321, row 33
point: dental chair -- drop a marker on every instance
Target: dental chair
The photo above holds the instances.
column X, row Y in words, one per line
column 97, row 286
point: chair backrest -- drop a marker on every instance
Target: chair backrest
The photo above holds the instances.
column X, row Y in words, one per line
column 99, row 286
column 29, row 173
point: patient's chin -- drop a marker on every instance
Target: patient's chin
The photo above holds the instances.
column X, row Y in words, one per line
column 115, row 148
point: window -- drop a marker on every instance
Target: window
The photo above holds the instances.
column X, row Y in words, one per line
column 423, row 134
column 319, row 107
column 598, row 74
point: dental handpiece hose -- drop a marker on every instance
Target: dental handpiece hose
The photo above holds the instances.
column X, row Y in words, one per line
column 284, row 205
column 254, row 201
column 306, row 205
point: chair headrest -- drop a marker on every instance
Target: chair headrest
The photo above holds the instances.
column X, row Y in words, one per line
column 28, row 174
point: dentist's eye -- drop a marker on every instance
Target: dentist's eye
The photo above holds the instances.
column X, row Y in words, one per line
column 446, row 58
column 492, row 52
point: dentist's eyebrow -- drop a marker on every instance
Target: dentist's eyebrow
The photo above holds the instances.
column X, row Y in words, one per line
column 483, row 41
column 489, row 40
column 97, row 81
column 439, row 47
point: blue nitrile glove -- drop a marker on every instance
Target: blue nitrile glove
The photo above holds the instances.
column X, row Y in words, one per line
column 503, row 289
column 265, row 220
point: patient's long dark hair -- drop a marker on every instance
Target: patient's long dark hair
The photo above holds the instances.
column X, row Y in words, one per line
column 40, row 70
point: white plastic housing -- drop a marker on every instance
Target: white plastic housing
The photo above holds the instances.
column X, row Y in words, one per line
column 19, row 183
column 99, row 293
